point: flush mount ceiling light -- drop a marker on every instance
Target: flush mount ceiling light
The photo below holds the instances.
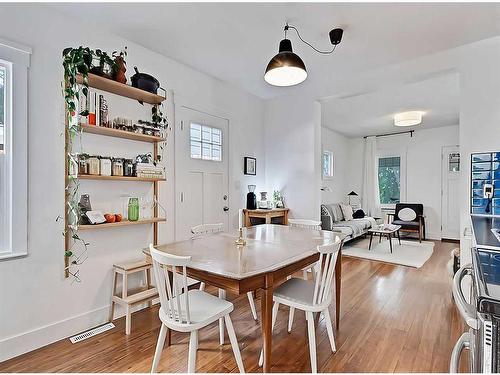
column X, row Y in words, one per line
column 408, row 118
column 287, row 68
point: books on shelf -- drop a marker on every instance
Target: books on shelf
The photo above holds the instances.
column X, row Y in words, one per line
column 97, row 106
column 149, row 170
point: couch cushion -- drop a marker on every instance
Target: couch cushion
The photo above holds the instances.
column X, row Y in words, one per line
column 346, row 211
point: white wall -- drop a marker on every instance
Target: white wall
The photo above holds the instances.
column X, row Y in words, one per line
column 423, row 168
column 340, row 186
column 37, row 305
column 479, row 112
column 293, row 129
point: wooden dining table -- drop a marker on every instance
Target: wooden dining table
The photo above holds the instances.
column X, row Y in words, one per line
column 272, row 252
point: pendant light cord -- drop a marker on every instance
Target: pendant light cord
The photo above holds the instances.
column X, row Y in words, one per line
column 287, row 26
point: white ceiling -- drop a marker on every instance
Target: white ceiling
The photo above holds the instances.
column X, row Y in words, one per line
column 373, row 113
column 234, row 41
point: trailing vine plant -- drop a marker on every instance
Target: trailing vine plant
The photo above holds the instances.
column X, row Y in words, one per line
column 160, row 120
column 75, row 61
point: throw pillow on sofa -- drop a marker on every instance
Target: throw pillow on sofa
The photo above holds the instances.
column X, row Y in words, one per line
column 359, row 214
column 347, row 211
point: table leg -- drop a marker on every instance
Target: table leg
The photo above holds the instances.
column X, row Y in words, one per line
column 266, row 307
column 268, row 219
column 371, row 238
column 399, row 237
column 390, row 241
column 380, row 238
column 338, row 284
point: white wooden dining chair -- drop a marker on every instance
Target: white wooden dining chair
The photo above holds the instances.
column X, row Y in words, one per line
column 186, row 310
column 311, row 297
column 204, row 229
column 305, row 224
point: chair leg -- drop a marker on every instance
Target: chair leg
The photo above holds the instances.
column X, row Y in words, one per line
column 290, row 318
column 252, row 305
column 222, row 294
column 312, row 341
column 329, row 329
column 113, row 291
column 193, row 340
column 276, row 306
column 148, row 284
column 159, row 347
column 420, row 234
column 128, row 318
column 234, row 343
column 202, row 286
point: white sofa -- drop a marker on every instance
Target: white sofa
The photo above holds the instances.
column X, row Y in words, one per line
column 333, row 219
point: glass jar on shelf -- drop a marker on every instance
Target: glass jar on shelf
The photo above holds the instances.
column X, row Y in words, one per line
column 128, row 167
column 94, row 165
column 133, row 209
column 117, row 167
column 83, row 166
column 105, row 166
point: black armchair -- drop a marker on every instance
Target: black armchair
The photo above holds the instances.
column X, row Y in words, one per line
column 417, row 224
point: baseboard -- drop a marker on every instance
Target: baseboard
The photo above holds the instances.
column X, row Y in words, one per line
column 28, row 341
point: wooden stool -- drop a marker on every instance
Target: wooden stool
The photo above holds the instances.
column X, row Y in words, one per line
column 125, row 299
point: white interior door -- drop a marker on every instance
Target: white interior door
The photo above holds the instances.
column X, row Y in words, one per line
column 201, row 171
column 450, row 189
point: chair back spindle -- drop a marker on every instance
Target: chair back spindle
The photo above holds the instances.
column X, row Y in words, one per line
column 174, row 297
column 326, row 270
column 305, row 224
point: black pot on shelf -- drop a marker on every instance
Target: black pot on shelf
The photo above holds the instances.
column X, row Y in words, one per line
column 145, row 82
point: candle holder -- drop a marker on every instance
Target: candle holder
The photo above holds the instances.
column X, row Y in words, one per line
column 240, row 241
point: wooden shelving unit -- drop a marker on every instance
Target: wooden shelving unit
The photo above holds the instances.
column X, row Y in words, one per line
column 101, row 130
column 119, row 178
column 122, row 89
column 123, row 223
column 126, row 91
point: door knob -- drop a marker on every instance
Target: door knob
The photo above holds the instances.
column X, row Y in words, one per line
column 226, row 208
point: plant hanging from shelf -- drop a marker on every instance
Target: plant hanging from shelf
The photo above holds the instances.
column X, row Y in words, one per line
column 160, row 120
column 75, row 61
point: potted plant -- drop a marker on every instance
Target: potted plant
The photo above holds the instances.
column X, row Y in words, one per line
column 120, row 65
column 102, row 64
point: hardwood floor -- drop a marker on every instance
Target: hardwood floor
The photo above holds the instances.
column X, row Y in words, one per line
column 393, row 319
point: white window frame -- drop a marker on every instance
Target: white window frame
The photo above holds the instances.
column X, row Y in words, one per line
column 331, row 173
column 221, row 145
column 402, row 174
column 14, row 159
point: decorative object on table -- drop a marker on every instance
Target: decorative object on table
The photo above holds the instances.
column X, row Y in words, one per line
column 145, row 81
column 251, row 198
column 278, row 199
column 410, row 216
column 133, row 209
column 263, row 203
column 250, row 166
column 351, row 194
column 120, row 65
column 95, row 217
column 240, row 241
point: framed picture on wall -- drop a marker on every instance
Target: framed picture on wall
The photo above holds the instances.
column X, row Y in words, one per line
column 250, row 166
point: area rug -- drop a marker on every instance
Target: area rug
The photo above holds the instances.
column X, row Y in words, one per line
column 409, row 253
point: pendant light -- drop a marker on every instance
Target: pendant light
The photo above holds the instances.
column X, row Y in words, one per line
column 287, row 68
column 410, row 118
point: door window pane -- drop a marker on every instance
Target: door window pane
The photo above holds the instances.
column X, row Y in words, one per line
column 206, row 142
column 389, row 179
column 454, row 162
column 327, row 164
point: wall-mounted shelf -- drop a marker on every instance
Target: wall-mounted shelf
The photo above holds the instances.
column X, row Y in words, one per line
column 101, row 130
column 122, row 89
column 118, row 178
column 123, row 223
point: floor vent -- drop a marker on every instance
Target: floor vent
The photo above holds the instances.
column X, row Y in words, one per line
column 92, row 332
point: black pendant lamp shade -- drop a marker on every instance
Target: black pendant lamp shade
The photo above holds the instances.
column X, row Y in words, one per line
column 286, row 68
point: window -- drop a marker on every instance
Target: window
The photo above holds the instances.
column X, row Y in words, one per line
column 389, row 179
column 206, row 142
column 14, row 63
column 327, row 164
column 454, row 162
